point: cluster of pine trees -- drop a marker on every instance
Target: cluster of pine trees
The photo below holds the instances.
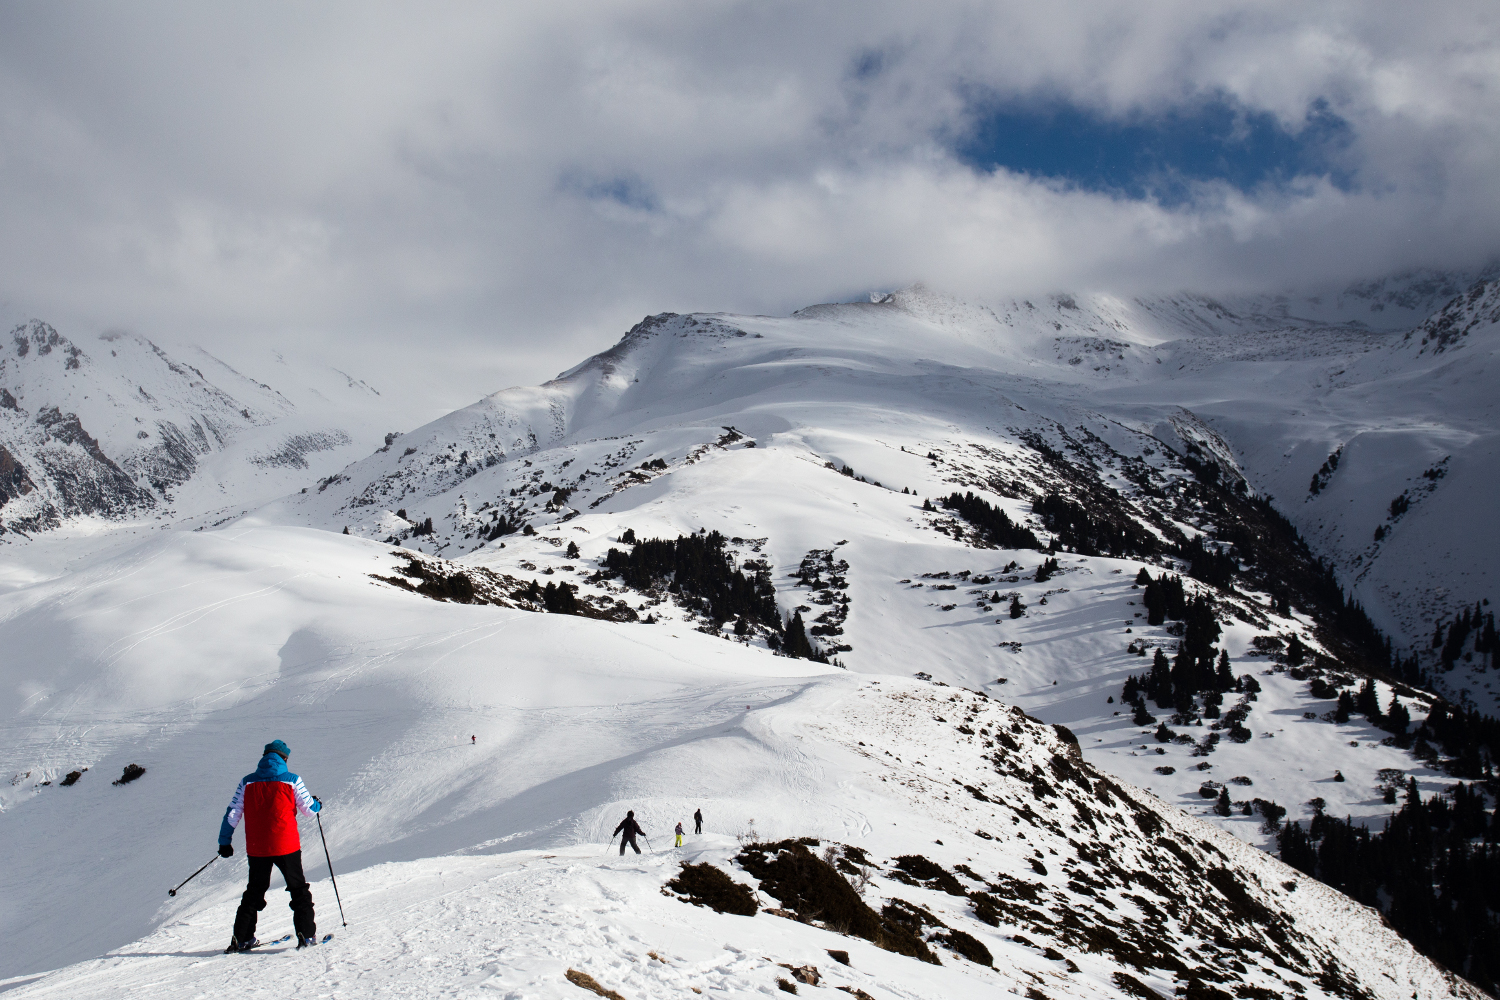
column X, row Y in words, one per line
column 992, row 523
column 503, row 526
column 557, row 598
column 1163, row 596
column 1474, row 621
column 1198, row 668
column 1078, row 531
column 1207, row 563
column 1434, row 871
column 698, row 570
column 1466, row 736
column 701, row 573
column 795, row 643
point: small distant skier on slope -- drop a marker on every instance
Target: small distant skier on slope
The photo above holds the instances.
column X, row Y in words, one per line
column 629, row 830
column 473, row 741
column 697, row 821
column 269, row 800
column 679, row 833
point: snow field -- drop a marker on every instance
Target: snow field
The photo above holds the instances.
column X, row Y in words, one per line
column 377, row 691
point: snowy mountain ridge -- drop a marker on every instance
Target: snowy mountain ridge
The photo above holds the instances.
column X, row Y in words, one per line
column 991, row 498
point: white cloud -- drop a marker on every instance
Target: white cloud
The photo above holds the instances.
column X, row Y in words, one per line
column 422, row 184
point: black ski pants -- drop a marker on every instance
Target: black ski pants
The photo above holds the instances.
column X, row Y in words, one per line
column 698, row 825
column 254, row 899
column 628, row 838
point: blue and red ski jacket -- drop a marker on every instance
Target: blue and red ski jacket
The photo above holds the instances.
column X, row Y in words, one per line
column 269, row 800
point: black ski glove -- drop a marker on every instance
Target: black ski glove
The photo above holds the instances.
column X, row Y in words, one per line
column 226, row 850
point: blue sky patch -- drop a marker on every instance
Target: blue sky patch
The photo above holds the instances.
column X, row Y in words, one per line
column 1157, row 155
column 625, row 189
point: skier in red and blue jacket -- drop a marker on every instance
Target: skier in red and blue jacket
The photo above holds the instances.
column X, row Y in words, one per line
column 269, row 801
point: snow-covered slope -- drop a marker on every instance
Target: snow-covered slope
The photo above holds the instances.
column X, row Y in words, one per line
column 743, row 426
column 469, row 866
column 809, row 444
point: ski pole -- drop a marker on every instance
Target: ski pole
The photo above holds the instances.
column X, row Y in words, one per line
column 173, row 892
column 330, row 867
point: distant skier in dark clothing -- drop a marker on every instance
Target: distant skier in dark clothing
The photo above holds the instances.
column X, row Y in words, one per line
column 269, row 801
column 629, row 829
column 697, row 820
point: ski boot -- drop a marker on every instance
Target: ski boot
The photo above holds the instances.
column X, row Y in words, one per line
column 236, row 945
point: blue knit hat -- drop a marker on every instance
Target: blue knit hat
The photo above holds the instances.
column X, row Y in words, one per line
column 277, row 747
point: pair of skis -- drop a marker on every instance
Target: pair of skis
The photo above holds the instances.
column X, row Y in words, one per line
column 281, row 940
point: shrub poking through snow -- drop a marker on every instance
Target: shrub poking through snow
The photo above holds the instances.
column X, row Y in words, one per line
column 918, row 869
column 966, row 945
column 131, row 772
column 71, row 779
column 705, row 885
column 810, row 887
column 585, row 981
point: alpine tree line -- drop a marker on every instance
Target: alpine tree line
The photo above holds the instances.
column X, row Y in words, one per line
column 1434, row 871
column 705, row 578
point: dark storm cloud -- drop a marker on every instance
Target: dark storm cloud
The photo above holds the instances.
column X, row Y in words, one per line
column 513, row 185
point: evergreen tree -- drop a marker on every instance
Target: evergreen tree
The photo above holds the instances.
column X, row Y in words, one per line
column 559, row 599
column 795, row 643
column 1367, row 702
column 572, row 551
column 1344, row 708
column 1193, row 668
column 1224, row 677
column 1159, row 683
column 1017, row 609
column 1163, row 598
column 1397, row 718
column 1223, row 806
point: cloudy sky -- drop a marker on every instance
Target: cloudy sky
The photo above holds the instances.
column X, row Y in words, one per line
column 471, row 196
